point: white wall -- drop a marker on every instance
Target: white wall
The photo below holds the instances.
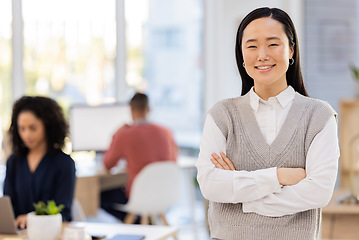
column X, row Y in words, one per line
column 331, row 45
column 222, row 18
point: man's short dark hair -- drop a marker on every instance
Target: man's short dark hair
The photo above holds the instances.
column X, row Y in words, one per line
column 139, row 102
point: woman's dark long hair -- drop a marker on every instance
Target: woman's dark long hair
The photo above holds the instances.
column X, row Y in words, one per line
column 50, row 113
column 294, row 73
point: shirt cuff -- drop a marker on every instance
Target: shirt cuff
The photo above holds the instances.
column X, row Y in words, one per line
column 251, row 207
column 270, row 180
column 275, row 187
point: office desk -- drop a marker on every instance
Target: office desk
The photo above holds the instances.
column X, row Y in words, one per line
column 89, row 186
column 340, row 221
column 151, row 232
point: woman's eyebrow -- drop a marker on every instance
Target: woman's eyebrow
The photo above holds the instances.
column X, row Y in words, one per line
column 272, row 38
column 267, row 39
column 251, row 40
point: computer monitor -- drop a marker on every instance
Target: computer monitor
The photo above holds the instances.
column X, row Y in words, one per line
column 92, row 127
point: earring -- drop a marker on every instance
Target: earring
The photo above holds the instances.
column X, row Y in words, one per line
column 244, row 65
column 291, row 61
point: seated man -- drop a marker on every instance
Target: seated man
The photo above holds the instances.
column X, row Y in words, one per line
column 140, row 144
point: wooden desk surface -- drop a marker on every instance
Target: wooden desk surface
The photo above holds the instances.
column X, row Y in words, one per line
column 89, row 186
column 334, row 207
column 340, row 221
column 111, row 229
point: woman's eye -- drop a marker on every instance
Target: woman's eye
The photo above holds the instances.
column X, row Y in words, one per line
column 251, row 47
column 273, row 44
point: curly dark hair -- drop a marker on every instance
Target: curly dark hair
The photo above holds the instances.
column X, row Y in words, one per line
column 51, row 114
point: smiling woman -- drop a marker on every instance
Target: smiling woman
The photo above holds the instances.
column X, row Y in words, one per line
column 266, row 54
column 265, row 153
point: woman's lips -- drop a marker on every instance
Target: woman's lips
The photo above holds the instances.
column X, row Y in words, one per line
column 264, row 68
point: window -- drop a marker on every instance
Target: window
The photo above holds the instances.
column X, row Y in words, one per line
column 164, row 45
column 69, row 50
column 5, row 66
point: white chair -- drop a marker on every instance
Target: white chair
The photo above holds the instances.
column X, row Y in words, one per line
column 77, row 211
column 154, row 190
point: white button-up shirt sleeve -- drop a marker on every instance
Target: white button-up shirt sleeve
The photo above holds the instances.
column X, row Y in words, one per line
column 230, row 186
column 316, row 189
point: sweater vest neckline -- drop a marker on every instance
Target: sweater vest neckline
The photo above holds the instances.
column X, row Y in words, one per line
column 257, row 142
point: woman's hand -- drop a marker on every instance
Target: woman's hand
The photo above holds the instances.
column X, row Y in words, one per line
column 290, row 176
column 222, row 162
column 21, row 221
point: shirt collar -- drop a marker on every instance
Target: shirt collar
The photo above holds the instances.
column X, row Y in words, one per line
column 284, row 98
column 140, row 121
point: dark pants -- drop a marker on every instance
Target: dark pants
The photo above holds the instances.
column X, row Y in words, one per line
column 110, row 197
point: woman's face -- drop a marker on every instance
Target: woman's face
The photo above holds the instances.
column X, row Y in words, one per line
column 266, row 53
column 31, row 130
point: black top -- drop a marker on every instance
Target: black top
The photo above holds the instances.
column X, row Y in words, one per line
column 53, row 179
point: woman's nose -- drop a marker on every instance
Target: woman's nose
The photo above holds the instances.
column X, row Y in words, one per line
column 262, row 54
column 25, row 133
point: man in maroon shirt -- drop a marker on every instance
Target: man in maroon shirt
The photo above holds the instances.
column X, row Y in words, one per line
column 141, row 143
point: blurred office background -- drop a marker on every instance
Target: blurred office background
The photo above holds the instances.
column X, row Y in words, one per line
column 180, row 52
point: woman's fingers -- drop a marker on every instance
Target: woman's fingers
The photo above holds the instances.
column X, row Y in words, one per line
column 216, row 164
column 21, row 221
column 222, row 162
column 228, row 162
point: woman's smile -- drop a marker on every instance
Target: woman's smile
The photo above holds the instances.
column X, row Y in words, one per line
column 264, row 68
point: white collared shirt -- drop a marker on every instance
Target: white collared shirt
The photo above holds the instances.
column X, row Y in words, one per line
column 271, row 114
column 260, row 191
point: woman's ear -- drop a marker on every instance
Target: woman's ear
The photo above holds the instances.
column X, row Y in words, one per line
column 291, row 52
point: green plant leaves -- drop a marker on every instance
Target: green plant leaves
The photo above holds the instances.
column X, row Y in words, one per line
column 50, row 209
column 355, row 72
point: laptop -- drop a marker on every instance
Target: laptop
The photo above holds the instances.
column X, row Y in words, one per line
column 7, row 219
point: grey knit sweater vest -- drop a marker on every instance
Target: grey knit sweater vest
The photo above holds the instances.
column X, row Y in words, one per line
column 248, row 150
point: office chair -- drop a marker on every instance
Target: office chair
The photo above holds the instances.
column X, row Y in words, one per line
column 155, row 189
column 77, row 211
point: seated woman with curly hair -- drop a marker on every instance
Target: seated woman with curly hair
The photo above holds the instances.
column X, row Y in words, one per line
column 38, row 169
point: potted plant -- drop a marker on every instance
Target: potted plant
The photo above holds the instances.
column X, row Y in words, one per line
column 355, row 73
column 45, row 222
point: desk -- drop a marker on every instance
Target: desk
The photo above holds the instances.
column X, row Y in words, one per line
column 340, row 221
column 88, row 188
column 151, row 232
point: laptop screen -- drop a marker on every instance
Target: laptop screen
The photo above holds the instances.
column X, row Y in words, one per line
column 7, row 220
